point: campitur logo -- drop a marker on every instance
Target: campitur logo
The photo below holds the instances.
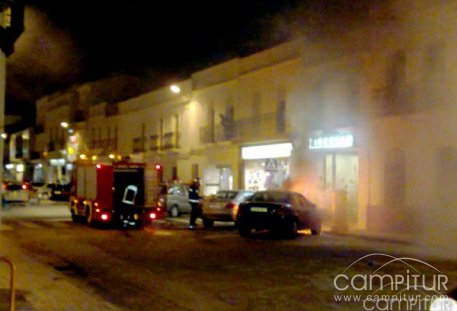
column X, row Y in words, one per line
column 383, row 282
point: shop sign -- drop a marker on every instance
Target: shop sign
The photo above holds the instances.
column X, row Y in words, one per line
column 283, row 150
column 332, row 141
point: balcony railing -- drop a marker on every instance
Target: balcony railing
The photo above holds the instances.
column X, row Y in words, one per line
column 105, row 145
column 138, row 145
column 390, row 101
column 207, row 135
column 154, row 143
column 266, row 125
column 258, row 126
column 170, row 141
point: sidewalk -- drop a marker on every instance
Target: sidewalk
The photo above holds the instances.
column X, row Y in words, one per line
column 38, row 286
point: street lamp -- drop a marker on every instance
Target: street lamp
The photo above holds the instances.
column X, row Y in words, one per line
column 64, row 124
column 175, row 89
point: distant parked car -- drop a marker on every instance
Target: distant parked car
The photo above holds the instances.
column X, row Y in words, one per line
column 60, row 192
column 41, row 190
column 223, row 206
column 16, row 192
column 283, row 212
column 174, row 199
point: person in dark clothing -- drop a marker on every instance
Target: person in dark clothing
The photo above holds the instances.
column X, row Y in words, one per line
column 194, row 200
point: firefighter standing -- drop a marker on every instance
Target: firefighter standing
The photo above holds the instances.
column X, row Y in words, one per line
column 194, row 200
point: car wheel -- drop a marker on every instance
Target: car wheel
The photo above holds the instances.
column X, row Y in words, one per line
column 208, row 223
column 174, row 211
column 291, row 229
column 316, row 229
column 244, row 230
column 74, row 217
column 89, row 216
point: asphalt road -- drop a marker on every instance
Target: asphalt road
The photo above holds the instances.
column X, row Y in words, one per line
column 167, row 267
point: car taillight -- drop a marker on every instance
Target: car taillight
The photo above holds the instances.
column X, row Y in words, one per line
column 152, row 215
column 25, row 186
column 104, row 216
column 231, row 205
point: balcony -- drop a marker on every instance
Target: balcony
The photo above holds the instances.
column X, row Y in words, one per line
column 263, row 126
column 154, row 141
column 138, row 145
column 170, row 141
column 207, row 135
column 390, row 101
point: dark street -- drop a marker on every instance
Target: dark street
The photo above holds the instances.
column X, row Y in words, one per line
column 167, row 267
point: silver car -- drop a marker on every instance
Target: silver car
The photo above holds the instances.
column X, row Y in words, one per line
column 223, row 206
column 16, row 192
column 174, row 199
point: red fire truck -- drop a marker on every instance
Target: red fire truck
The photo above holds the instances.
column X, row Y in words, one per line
column 110, row 193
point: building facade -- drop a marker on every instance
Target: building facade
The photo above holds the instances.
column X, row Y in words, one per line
column 360, row 121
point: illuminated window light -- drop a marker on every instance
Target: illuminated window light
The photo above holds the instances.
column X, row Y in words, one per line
column 283, row 150
column 332, row 142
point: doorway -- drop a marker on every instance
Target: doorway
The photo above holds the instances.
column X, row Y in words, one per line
column 341, row 172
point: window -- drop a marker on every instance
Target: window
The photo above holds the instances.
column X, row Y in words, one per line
column 281, row 116
column 256, row 104
column 210, row 121
column 396, row 99
column 317, row 104
column 281, row 111
column 434, row 60
column 194, row 170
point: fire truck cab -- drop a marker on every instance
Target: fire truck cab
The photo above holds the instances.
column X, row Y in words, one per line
column 110, row 193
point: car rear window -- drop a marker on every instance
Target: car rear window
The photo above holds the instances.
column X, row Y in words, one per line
column 280, row 197
column 13, row 187
column 226, row 195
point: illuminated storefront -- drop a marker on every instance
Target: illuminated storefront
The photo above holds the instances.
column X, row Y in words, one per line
column 338, row 173
column 266, row 166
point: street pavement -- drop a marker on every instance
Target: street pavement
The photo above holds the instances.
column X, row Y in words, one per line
column 38, row 286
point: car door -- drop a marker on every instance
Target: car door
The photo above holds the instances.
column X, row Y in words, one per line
column 183, row 198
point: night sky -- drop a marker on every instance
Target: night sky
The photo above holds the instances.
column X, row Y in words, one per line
column 73, row 41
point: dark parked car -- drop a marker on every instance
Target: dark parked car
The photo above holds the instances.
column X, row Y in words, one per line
column 60, row 192
column 282, row 212
column 223, row 206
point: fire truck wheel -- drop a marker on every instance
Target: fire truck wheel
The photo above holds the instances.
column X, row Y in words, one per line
column 89, row 218
column 74, row 218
